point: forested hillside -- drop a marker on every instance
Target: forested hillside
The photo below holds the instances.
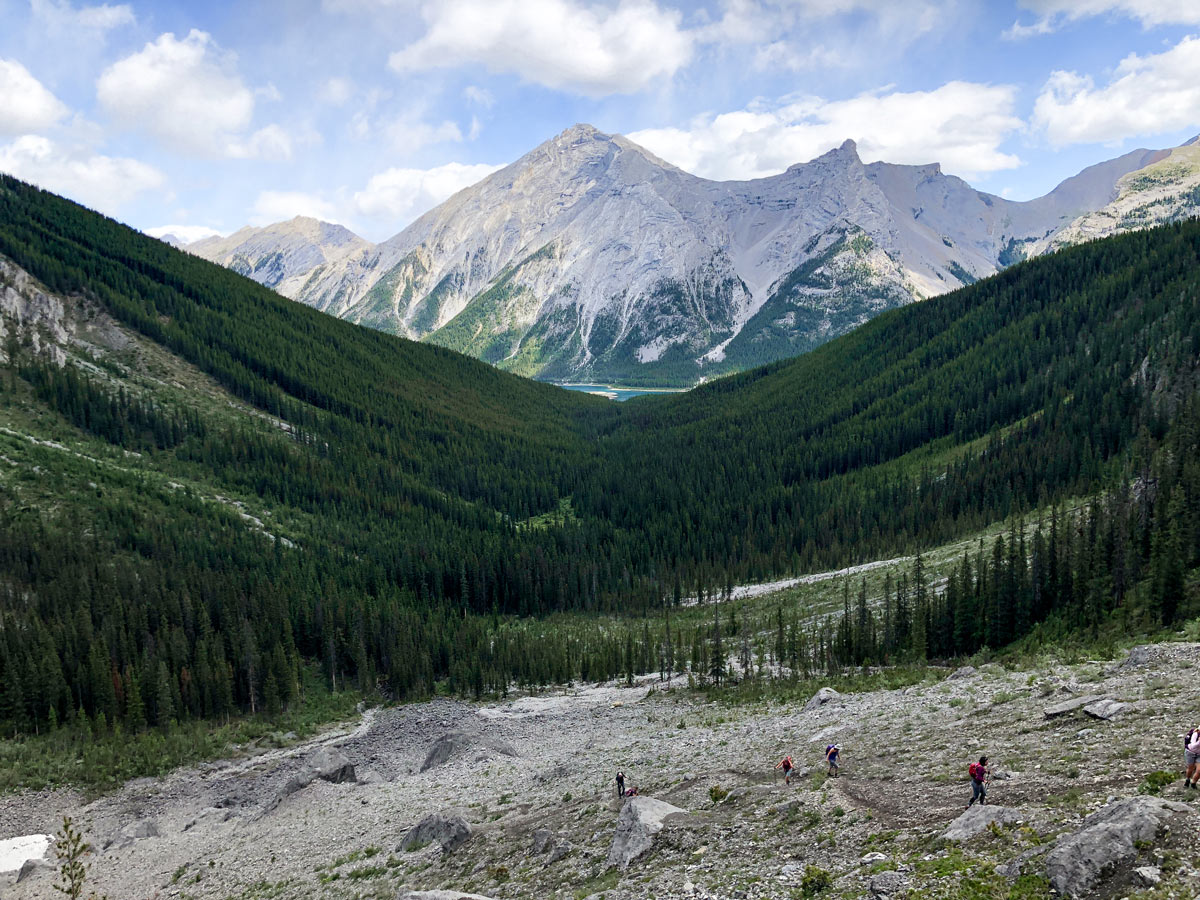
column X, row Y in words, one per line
column 414, row 499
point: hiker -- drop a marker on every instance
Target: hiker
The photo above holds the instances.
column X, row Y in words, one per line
column 786, row 765
column 1191, row 756
column 620, row 784
column 831, row 757
column 979, row 777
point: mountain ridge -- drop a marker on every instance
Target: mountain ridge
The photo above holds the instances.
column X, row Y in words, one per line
column 589, row 258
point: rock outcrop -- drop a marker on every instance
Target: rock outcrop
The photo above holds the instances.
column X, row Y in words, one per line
column 641, row 820
column 978, row 818
column 448, row 829
column 1106, row 709
column 821, row 697
column 1066, row 707
column 1108, row 838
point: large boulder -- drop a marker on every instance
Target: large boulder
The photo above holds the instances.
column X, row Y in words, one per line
column 1107, row 838
column 1139, row 656
column 1106, row 709
column 978, row 818
column 821, row 697
column 455, row 743
column 888, row 885
column 447, row 828
column 1069, row 706
column 331, row 765
column 32, row 868
column 640, row 821
column 134, row 831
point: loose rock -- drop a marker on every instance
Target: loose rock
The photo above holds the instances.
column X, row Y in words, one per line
column 641, row 819
column 331, row 765
column 447, row 829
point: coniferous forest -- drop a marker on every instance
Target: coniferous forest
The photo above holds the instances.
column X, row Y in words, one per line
column 422, row 501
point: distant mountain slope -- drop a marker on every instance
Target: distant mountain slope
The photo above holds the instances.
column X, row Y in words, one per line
column 590, row 258
column 200, row 479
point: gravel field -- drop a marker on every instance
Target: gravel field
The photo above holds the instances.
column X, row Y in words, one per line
column 536, row 773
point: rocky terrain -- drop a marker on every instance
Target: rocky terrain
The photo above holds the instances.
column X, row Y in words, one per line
column 516, row 799
column 590, row 258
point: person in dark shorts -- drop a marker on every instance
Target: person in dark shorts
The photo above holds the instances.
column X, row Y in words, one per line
column 620, row 784
column 831, row 757
column 979, row 776
column 786, row 765
column 1191, row 757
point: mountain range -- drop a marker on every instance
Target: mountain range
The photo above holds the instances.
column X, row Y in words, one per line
column 591, row 259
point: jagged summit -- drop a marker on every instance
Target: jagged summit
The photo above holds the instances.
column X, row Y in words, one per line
column 591, row 258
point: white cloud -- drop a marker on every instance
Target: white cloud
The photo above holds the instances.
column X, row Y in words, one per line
column 189, row 234
column 397, row 196
column 1053, row 14
column 561, row 44
column 479, row 96
column 25, row 105
column 960, row 125
column 188, row 94
column 1146, row 95
column 271, row 142
column 408, row 134
column 277, row 206
column 336, row 91
column 104, row 183
column 60, row 15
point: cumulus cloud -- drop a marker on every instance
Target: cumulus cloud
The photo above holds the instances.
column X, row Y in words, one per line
column 1053, row 14
column 25, row 104
column 397, row 196
column 60, row 16
column 408, row 134
column 1146, row 95
column 277, row 206
column 960, row 125
column 271, row 142
column 562, row 44
column 336, row 91
column 188, row 94
column 104, row 183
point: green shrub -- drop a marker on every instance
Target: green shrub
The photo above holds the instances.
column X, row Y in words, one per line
column 815, row 881
column 716, row 793
column 1156, row 781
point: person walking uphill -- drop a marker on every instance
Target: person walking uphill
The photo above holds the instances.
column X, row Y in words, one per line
column 831, row 757
column 979, row 776
column 1191, row 757
column 786, row 765
column 620, row 784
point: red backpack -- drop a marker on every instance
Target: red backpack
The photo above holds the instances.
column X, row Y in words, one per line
column 975, row 770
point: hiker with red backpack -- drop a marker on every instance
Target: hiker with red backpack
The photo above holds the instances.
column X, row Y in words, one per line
column 786, row 765
column 979, row 780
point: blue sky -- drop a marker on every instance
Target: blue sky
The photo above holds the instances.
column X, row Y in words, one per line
column 203, row 117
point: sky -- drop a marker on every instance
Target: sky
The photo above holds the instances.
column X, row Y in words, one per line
column 198, row 118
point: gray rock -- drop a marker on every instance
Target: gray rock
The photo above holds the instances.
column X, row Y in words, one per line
column 558, row 851
column 640, row 821
column 1138, row 656
column 438, row 895
column 448, row 829
column 446, row 748
column 1069, row 706
column 1107, row 838
column 370, row 776
column 961, row 672
column 297, row 782
column 331, row 765
column 135, row 831
column 543, row 840
column 1106, row 709
column 821, row 697
column 874, row 857
column 977, row 818
column 32, row 868
column 1016, row 868
column 1149, row 876
column 888, row 884
column 787, row 807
